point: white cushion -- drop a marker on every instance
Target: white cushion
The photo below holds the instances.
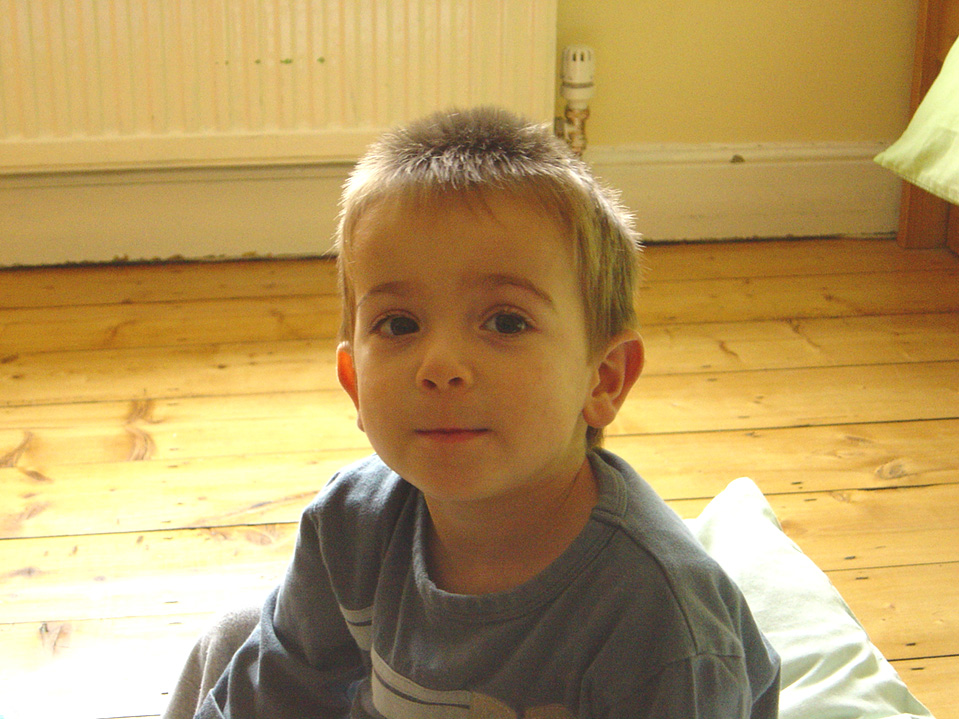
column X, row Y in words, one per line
column 927, row 154
column 830, row 669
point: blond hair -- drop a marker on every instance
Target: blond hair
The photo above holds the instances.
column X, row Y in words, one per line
column 464, row 152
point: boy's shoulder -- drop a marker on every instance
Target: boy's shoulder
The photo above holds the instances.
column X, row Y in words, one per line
column 631, row 504
column 663, row 567
column 362, row 499
column 365, row 481
column 688, row 591
column 350, row 525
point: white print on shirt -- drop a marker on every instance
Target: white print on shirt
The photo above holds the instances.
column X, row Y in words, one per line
column 396, row 697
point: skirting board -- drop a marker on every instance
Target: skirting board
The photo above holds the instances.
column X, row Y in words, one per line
column 209, row 213
column 697, row 192
column 677, row 192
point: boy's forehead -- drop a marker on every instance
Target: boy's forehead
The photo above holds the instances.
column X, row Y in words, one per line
column 501, row 234
column 508, row 209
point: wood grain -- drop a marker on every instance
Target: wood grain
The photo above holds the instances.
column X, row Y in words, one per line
column 47, row 377
column 928, row 679
column 48, row 653
column 908, row 612
column 251, row 488
column 190, row 281
column 168, row 324
column 39, row 435
column 162, row 427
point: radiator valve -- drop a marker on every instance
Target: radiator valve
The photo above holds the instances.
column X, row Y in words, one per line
column 576, row 89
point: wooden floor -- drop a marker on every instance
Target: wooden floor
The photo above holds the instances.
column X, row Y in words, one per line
column 162, row 426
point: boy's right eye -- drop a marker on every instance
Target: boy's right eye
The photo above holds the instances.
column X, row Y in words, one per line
column 397, row 326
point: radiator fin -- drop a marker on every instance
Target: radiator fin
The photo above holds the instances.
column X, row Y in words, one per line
column 152, row 83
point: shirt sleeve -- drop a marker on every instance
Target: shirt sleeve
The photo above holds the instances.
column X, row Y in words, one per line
column 301, row 660
column 702, row 687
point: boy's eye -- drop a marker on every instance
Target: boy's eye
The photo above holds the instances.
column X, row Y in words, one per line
column 397, row 326
column 507, row 323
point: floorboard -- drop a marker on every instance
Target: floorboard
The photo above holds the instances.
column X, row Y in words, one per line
column 162, row 426
column 932, row 679
column 166, row 324
column 786, row 258
column 65, row 499
column 139, row 284
column 47, row 377
column 909, row 612
column 801, row 297
column 763, row 399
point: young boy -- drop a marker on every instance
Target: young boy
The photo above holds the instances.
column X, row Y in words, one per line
column 491, row 560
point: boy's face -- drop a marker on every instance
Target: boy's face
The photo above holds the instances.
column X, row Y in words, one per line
column 469, row 364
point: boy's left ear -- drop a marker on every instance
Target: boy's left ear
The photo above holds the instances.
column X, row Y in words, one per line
column 615, row 376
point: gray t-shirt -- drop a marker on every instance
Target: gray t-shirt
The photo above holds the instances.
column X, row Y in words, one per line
column 633, row 620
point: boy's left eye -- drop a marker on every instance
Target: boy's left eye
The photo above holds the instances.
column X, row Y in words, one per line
column 506, row 323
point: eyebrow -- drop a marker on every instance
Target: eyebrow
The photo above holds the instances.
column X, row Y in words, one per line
column 496, row 280
column 395, row 288
column 399, row 288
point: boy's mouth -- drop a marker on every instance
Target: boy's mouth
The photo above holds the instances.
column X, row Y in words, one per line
column 450, row 434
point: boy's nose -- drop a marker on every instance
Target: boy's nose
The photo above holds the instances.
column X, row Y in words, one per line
column 444, row 367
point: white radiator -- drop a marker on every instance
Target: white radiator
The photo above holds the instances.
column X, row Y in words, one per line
column 113, row 84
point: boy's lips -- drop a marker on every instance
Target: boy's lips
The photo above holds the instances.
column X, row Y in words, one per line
column 451, row 434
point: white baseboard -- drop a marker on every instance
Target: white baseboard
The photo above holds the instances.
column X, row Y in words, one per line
column 161, row 214
column 678, row 192
column 702, row 192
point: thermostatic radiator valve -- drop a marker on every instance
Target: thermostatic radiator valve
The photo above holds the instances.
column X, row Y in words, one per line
column 576, row 89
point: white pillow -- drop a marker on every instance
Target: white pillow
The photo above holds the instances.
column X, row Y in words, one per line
column 830, row 669
column 927, row 154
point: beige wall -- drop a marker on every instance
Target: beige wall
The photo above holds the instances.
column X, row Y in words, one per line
column 699, row 77
column 729, row 71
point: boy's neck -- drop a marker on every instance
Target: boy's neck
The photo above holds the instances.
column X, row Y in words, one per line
column 479, row 548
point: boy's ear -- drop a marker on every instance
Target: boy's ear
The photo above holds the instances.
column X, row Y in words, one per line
column 615, row 376
column 346, row 374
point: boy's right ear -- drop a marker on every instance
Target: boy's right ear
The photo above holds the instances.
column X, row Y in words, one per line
column 346, row 374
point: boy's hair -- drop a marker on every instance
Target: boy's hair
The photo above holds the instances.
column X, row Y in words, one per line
column 468, row 152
